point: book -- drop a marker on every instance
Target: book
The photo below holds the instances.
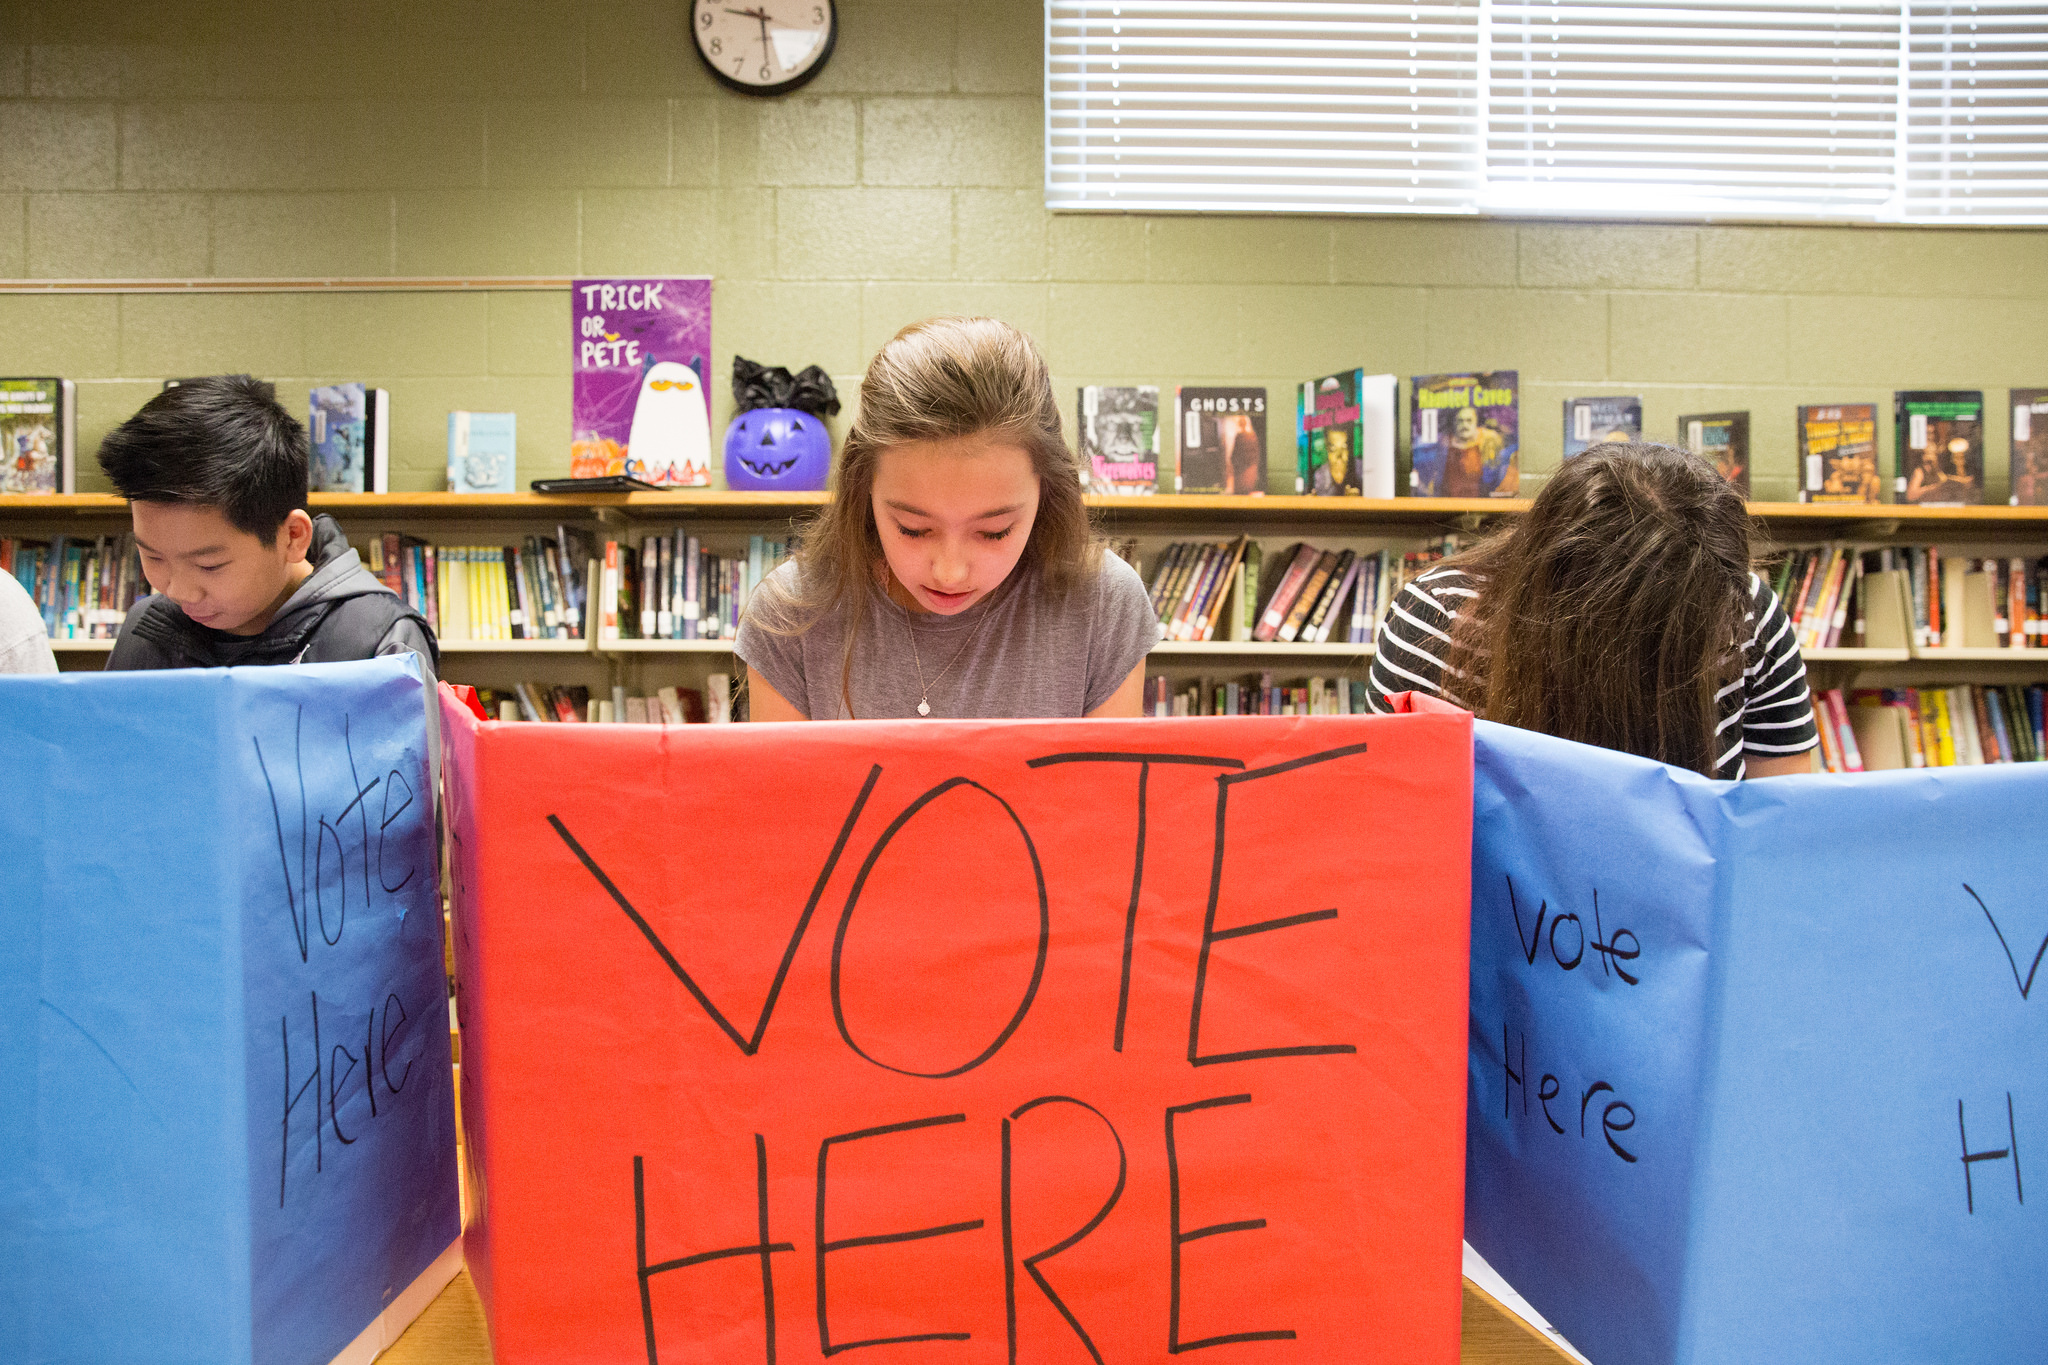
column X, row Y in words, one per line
column 81, row 586
column 1300, row 561
column 1464, row 435
column 1939, row 454
column 1305, row 600
column 349, row 432
column 483, row 452
column 1315, row 625
column 1221, row 436
column 1344, row 435
column 1838, row 453
column 1722, row 437
column 1594, row 421
column 1119, row 431
column 2029, row 447
column 637, row 403
column 38, row 436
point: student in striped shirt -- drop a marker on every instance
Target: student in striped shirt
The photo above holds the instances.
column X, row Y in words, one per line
column 1620, row 611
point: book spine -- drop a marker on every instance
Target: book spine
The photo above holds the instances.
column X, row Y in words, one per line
column 1361, row 601
column 522, row 578
column 1852, row 756
column 1848, row 605
column 507, row 570
column 1162, row 570
column 1184, row 554
column 1284, row 593
column 692, row 588
column 608, row 594
column 1205, row 566
column 1191, row 592
column 1824, row 730
column 1305, row 600
column 1331, row 610
column 1312, row 623
column 650, row 556
column 1219, row 597
column 1821, row 613
column 1993, row 702
column 2016, row 603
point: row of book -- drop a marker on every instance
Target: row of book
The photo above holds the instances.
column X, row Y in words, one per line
column 1255, row 695
column 1464, row 440
column 348, row 432
column 1209, row 590
column 715, row 703
column 1892, row 596
column 83, row 587
column 1876, row 729
column 670, row 587
column 535, row 590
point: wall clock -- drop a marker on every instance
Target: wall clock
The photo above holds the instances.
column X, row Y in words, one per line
column 764, row 47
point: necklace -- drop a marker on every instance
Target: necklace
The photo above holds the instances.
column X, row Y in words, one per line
column 924, row 689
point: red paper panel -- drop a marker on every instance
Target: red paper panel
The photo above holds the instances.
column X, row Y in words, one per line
column 860, row 994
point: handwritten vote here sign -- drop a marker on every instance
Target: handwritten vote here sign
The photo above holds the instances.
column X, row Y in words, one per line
column 1759, row 1071
column 228, row 1135
column 964, row 1042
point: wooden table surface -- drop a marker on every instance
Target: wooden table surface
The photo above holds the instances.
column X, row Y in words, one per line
column 451, row 1332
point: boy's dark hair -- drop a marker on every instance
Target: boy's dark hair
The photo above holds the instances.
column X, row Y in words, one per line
column 221, row 441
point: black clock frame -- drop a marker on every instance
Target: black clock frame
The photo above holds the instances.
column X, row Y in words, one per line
column 810, row 73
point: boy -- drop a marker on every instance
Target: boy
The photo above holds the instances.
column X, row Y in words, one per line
column 215, row 476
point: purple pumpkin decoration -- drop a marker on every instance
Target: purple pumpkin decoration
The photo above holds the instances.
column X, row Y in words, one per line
column 777, row 449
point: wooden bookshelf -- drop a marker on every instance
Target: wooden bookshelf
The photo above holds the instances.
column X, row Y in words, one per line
column 1812, row 521
column 728, row 517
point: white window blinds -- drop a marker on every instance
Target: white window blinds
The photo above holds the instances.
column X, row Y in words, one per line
column 1976, row 133
column 1756, row 109
column 1262, row 105
column 1705, row 109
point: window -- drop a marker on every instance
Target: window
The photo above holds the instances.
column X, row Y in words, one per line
column 1855, row 110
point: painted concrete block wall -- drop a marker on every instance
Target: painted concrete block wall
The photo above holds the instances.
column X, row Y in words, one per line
column 256, row 138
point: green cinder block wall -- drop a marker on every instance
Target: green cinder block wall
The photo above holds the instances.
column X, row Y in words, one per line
column 252, row 138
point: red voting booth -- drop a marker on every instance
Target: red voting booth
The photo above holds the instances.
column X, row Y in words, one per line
column 976, row 1042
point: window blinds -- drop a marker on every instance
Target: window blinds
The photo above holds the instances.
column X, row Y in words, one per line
column 1976, row 131
column 1757, row 109
column 1262, row 105
column 1702, row 109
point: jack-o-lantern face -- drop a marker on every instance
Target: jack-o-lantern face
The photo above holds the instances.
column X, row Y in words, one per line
column 775, row 449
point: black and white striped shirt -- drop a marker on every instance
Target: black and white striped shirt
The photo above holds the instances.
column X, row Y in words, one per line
column 1766, row 712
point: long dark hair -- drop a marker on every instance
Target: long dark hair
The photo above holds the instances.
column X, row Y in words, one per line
column 941, row 378
column 1609, row 614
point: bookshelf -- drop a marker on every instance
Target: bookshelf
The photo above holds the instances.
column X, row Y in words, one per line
column 725, row 519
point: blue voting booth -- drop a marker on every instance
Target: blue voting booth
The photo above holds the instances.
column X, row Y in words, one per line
column 229, row 1132
column 1759, row 1071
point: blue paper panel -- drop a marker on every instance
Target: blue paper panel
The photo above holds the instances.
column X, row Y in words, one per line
column 351, row 1125
column 1592, row 894
column 149, row 966
column 120, row 1218
column 1881, row 934
column 1817, row 988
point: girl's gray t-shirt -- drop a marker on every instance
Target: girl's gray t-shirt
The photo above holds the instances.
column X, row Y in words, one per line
column 1017, row 653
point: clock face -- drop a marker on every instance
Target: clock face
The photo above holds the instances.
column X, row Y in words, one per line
column 764, row 47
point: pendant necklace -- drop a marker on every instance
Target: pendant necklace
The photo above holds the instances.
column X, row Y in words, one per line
column 924, row 689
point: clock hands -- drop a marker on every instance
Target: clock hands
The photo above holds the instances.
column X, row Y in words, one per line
column 767, row 51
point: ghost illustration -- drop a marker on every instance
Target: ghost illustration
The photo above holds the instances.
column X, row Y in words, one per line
column 670, row 440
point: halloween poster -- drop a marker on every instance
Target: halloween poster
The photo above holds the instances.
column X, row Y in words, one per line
column 642, row 348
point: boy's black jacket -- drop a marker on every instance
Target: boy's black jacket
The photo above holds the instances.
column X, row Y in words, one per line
column 342, row 612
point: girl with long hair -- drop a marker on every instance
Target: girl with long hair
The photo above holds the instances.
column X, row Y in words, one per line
column 1620, row 611
column 954, row 573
